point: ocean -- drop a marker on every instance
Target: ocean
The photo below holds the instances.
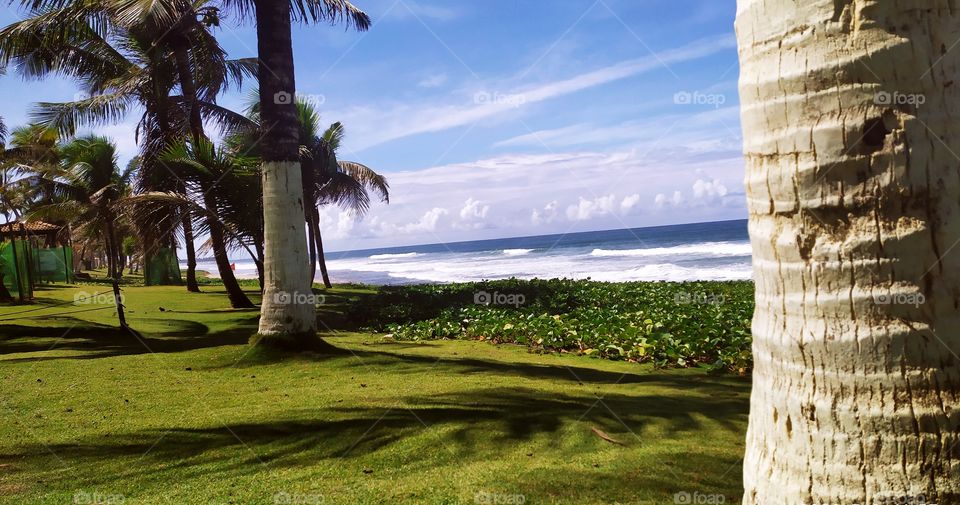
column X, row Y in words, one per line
column 701, row 251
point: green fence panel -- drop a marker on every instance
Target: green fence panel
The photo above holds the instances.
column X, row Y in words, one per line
column 162, row 269
column 54, row 264
column 14, row 265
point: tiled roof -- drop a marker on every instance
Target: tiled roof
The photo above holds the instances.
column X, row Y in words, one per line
column 30, row 227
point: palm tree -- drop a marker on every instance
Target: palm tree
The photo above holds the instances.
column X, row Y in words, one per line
column 848, row 117
column 85, row 189
column 286, row 266
column 210, row 167
column 119, row 53
column 328, row 180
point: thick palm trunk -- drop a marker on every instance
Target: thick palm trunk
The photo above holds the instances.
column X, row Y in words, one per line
column 288, row 315
column 854, row 200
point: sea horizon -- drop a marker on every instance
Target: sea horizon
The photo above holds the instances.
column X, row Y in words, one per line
column 716, row 250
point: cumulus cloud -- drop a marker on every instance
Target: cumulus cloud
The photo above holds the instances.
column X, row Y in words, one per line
column 709, row 190
column 529, row 194
column 545, row 216
column 588, row 209
column 629, row 202
column 428, row 222
column 473, row 209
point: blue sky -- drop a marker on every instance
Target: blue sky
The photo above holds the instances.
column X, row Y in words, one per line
column 512, row 117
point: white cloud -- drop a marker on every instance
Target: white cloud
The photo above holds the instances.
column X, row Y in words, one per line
column 586, row 209
column 709, row 190
column 545, row 216
column 473, row 209
column 533, row 194
column 428, row 222
column 629, row 202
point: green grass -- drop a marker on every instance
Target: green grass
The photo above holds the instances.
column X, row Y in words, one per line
column 190, row 415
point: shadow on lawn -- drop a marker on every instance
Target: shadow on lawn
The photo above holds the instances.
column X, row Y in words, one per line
column 97, row 340
column 432, row 431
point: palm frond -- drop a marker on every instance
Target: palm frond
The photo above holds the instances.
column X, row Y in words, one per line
column 67, row 117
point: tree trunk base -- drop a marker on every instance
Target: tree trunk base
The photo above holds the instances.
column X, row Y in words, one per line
column 298, row 342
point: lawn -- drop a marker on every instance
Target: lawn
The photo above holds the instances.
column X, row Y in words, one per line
column 187, row 414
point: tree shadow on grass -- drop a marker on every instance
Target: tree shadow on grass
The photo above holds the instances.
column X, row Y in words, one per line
column 467, row 425
column 96, row 340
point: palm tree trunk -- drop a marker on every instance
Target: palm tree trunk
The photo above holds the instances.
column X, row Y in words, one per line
column 311, row 244
column 189, row 90
column 188, row 246
column 259, row 262
column 238, row 299
column 850, row 119
column 284, row 319
column 321, row 257
column 112, row 250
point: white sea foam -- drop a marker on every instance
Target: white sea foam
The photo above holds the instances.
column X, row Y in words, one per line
column 702, row 249
column 697, row 261
column 394, row 256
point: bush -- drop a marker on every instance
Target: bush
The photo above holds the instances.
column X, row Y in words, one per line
column 668, row 324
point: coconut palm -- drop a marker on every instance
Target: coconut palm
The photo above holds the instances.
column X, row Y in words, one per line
column 328, row 180
column 122, row 63
column 848, row 118
column 210, row 167
column 86, row 186
column 286, row 268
